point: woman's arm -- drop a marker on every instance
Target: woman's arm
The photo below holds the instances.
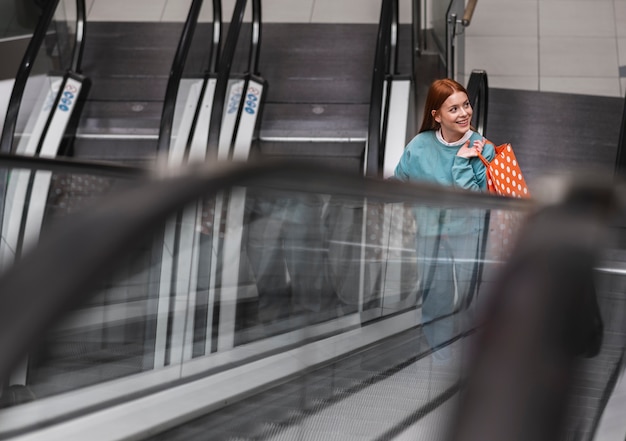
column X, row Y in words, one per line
column 468, row 171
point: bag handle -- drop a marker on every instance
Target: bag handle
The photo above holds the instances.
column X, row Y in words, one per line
column 482, row 158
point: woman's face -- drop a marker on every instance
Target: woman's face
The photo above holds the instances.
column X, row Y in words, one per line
column 454, row 116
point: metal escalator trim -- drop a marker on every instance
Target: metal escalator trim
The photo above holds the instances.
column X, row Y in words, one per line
column 66, row 107
column 181, row 241
column 377, row 107
column 398, row 110
column 232, row 111
column 250, row 109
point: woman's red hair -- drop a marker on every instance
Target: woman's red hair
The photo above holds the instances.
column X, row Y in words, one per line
column 438, row 93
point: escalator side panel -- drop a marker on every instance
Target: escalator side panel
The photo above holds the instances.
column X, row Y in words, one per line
column 397, row 121
column 248, row 121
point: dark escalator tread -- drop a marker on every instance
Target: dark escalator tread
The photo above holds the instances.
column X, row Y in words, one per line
column 128, row 87
column 118, row 130
column 120, row 48
column 121, row 117
column 302, row 150
column 127, row 151
column 322, row 62
column 556, row 131
column 316, row 121
column 318, row 62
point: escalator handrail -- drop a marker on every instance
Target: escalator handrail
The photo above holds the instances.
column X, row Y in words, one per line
column 478, row 91
column 478, row 95
column 23, row 73
column 64, row 164
column 79, row 38
column 382, row 60
column 71, row 258
column 255, row 38
column 225, row 66
column 178, row 66
column 620, row 157
column 216, row 50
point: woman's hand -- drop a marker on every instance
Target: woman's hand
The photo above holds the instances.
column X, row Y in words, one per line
column 469, row 152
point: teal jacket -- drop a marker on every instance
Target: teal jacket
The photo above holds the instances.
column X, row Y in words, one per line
column 428, row 159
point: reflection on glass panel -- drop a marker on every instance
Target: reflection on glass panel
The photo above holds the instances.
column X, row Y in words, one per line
column 108, row 337
column 36, row 201
column 439, row 20
column 64, row 29
column 264, row 270
column 18, row 18
column 442, row 10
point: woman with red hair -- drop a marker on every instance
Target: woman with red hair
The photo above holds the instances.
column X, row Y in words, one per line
column 445, row 151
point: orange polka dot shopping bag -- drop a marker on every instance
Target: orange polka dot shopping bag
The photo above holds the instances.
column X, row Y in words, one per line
column 504, row 176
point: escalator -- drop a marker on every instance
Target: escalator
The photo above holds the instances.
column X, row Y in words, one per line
column 343, row 377
column 329, row 101
column 269, row 301
column 43, row 111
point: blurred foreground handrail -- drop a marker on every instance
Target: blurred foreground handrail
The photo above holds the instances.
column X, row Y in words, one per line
column 478, row 91
column 620, row 158
column 542, row 316
column 69, row 165
column 74, row 255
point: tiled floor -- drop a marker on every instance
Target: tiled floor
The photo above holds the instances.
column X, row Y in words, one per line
column 575, row 46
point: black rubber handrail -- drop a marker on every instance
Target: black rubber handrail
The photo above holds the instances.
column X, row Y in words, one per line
column 23, row 73
column 178, row 67
column 216, row 50
column 64, row 164
column 543, row 316
column 79, row 38
column 382, row 66
column 478, row 95
column 620, row 158
column 478, row 91
column 225, row 66
column 255, row 38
